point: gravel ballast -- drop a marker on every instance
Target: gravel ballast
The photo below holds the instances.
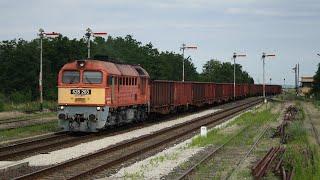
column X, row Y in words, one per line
column 164, row 162
column 62, row 155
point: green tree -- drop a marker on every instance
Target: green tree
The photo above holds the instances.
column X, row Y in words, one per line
column 316, row 88
column 19, row 70
column 215, row 71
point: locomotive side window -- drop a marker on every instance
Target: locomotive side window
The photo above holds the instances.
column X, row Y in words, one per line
column 71, row 77
column 92, row 77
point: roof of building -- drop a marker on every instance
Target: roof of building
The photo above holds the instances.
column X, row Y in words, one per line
column 307, row 79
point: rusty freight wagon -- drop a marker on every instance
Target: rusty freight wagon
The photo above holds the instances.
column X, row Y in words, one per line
column 169, row 96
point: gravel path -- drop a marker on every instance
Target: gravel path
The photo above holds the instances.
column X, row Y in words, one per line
column 90, row 147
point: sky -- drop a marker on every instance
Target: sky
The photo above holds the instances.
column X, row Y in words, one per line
column 288, row 28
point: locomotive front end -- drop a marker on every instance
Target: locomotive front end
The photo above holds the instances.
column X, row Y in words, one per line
column 81, row 97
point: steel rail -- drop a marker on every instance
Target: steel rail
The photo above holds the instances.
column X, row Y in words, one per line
column 18, row 149
column 193, row 126
column 248, row 152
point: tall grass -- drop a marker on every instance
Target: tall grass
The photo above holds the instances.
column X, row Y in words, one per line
column 28, row 131
column 30, row 106
column 300, row 153
column 253, row 120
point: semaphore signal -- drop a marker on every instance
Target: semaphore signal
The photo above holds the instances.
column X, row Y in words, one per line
column 88, row 35
column 264, row 55
column 42, row 35
column 183, row 48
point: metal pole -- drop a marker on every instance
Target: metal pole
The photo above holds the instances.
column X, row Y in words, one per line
column 183, row 47
column 234, row 75
column 40, row 75
column 88, row 35
column 264, row 90
column 298, row 75
column 295, row 75
column 88, row 47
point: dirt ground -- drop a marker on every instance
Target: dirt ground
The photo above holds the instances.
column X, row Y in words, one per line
column 11, row 114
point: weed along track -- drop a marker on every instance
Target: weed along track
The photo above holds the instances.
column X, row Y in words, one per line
column 193, row 171
column 117, row 154
column 228, row 151
column 12, row 123
column 314, row 129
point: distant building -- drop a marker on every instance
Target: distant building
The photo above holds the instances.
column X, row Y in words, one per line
column 307, row 83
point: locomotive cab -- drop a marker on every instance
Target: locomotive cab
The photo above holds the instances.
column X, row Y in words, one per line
column 93, row 95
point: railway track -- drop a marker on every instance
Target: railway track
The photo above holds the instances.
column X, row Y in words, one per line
column 314, row 129
column 189, row 172
column 12, row 123
column 117, row 154
column 19, row 149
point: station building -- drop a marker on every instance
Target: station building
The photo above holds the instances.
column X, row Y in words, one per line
column 307, row 83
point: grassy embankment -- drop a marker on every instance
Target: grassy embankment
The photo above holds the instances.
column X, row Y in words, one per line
column 28, row 107
column 300, row 152
column 31, row 130
column 28, row 131
column 246, row 127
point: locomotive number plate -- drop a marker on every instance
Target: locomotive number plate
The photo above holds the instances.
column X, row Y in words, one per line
column 81, row 92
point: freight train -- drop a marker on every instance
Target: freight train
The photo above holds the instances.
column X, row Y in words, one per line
column 94, row 95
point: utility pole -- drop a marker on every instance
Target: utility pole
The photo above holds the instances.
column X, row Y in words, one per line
column 295, row 77
column 42, row 35
column 298, row 75
column 183, row 47
column 88, row 35
column 235, row 55
column 270, row 80
column 264, row 55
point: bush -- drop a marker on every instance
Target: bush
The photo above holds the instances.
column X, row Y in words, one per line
column 1, row 102
column 20, row 97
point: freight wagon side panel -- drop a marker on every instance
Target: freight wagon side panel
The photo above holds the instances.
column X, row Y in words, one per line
column 209, row 93
column 161, row 96
column 198, row 93
column 183, row 93
column 246, row 90
column 218, row 92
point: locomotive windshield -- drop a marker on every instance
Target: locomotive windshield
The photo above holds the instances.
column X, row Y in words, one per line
column 71, row 77
column 92, row 77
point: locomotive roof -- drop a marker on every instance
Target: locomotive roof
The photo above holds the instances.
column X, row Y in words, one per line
column 110, row 67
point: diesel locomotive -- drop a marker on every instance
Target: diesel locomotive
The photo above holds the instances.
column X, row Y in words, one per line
column 93, row 94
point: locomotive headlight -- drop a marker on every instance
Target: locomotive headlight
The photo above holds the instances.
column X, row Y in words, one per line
column 62, row 107
column 98, row 108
